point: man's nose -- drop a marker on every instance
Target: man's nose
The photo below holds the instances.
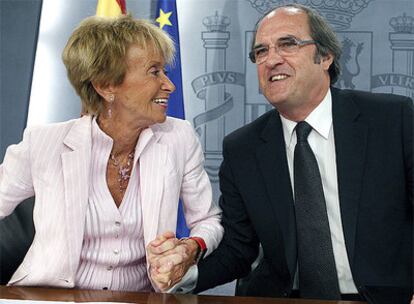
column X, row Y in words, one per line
column 273, row 56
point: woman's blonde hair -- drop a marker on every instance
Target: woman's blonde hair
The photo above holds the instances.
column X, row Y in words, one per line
column 96, row 52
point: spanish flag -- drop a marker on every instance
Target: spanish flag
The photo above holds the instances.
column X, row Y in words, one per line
column 110, row 8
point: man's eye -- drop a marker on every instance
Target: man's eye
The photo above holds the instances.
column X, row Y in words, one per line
column 287, row 44
column 260, row 52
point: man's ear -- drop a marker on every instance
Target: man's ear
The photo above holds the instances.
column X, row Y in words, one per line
column 326, row 61
column 103, row 90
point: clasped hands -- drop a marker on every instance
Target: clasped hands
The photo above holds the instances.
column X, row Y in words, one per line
column 169, row 259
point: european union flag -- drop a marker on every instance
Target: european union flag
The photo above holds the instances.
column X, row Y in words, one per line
column 166, row 17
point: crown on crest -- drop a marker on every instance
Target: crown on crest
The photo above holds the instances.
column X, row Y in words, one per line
column 339, row 13
column 403, row 24
column 216, row 23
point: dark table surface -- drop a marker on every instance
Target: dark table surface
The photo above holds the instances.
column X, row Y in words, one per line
column 77, row 295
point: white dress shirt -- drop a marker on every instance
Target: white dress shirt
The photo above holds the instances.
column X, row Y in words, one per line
column 113, row 248
column 322, row 141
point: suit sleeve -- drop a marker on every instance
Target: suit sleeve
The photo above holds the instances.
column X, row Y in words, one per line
column 408, row 133
column 239, row 247
column 15, row 176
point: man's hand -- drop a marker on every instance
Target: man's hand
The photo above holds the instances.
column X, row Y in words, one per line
column 170, row 258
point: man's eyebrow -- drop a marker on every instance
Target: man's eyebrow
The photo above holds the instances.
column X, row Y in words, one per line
column 287, row 37
column 257, row 46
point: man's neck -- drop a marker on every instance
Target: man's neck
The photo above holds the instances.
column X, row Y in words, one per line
column 303, row 110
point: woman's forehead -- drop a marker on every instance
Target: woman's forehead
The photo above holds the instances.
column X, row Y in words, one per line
column 137, row 53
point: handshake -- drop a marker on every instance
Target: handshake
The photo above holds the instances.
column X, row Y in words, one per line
column 169, row 259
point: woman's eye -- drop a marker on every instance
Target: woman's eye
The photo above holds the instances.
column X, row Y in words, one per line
column 155, row 72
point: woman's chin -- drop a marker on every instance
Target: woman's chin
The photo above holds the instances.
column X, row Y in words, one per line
column 160, row 118
column 163, row 118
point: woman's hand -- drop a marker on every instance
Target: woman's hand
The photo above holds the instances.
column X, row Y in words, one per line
column 169, row 259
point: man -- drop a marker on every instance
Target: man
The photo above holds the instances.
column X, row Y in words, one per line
column 355, row 164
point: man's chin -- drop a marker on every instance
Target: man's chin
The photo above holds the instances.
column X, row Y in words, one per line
column 277, row 101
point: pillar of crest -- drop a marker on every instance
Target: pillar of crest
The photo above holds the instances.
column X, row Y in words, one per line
column 402, row 45
column 215, row 44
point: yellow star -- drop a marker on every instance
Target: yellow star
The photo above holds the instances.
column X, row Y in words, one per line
column 163, row 19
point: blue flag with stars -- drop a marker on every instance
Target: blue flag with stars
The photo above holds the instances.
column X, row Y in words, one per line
column 166, row 18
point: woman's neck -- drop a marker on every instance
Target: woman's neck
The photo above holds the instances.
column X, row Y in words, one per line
column 124, row 135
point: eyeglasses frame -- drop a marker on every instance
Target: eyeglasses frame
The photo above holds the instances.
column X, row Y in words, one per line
column 299, row 43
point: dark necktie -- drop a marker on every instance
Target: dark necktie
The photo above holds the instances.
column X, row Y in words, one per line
column 318, row 278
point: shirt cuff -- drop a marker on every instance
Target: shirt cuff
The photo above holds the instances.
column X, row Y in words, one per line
column 188, row 282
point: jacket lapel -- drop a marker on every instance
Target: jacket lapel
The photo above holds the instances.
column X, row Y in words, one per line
column 75, row 166
column 350, row 143
column 272, row 161
column 153, row 157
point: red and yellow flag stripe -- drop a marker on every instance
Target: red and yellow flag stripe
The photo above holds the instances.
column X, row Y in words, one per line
column 110, row 8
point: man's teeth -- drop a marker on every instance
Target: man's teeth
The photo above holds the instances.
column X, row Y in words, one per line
column 160, row 101
column 278, row 77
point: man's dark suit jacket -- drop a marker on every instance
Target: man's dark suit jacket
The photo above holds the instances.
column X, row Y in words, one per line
column 374, row 153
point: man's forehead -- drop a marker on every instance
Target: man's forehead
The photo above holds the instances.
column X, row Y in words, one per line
column 283, row 12
column 280, row 18
column 289, row 10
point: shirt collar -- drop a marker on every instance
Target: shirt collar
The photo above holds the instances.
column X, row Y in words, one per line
column 320, row 119
column 98, row 135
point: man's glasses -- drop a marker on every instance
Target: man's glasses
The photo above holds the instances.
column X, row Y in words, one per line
column 284, row 47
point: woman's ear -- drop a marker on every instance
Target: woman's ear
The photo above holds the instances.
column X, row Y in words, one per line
column 105, row 91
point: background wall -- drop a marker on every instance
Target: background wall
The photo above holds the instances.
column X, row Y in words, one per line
column 219, row 83
column 18, row 38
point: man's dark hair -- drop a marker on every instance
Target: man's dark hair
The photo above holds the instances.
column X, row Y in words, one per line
column 321, row 32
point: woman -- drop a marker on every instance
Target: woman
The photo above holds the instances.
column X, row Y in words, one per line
column 108, row 183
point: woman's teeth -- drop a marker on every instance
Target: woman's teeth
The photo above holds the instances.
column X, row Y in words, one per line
column 162, row 101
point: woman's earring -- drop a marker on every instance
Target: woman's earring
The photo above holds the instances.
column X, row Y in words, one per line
column 111, row 99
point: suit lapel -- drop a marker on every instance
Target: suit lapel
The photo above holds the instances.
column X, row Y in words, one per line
column 75, row 166
column 153, row 157
column 350, row 143
column 272, row 161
